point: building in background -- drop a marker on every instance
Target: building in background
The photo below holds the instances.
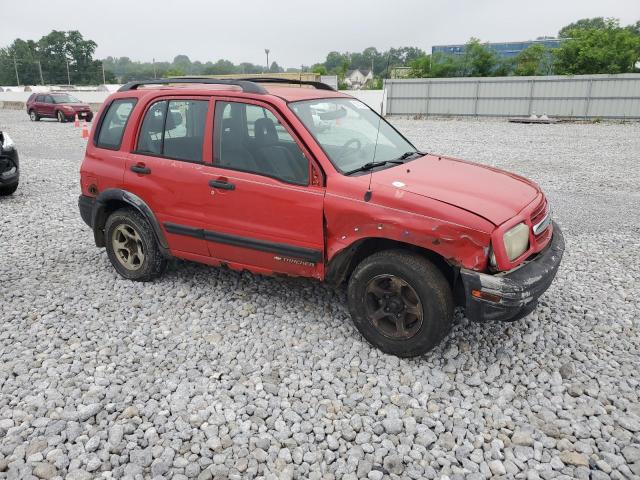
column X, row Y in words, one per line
column 357, row 78
column 504, row 49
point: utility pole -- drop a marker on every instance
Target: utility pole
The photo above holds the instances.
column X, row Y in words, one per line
column 40, row 70
column 104, row 81
column 68, row 75
column 15, row 66
column 266, row 50
column 153, row 60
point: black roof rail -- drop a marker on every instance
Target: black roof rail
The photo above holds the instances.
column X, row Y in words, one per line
column 291, row 81
column 247, row 86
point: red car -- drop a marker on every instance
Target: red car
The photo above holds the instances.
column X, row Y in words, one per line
column 61, row 106
column 311, row 182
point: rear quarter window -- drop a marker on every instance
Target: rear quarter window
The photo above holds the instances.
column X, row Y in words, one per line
column 113, row 123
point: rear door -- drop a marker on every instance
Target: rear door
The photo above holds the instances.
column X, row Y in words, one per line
column 47, row 106
column 264, row 211
column 167, row 169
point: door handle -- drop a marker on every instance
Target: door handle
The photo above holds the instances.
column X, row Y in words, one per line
column 141, row 169
column 221, row 184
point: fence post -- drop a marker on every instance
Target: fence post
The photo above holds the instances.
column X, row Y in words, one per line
column 531, row 96
column 426, row 108
column 588, row 99
column 388, row 88
column 475, row 106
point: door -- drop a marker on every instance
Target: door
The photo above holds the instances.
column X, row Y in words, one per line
column 47, row 107
column 167, row 170
column 264, row 211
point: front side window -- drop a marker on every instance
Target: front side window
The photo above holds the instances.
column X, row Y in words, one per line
column 174, row 129
column 350, row 133
column 114, row 122
column 250, row 138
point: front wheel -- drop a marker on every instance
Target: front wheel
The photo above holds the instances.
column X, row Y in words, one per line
column 61, row 117
column 132, row 247
column 400, row 302
column 33, row 116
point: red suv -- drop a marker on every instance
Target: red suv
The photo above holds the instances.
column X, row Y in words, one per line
column 311, row 182
column 61, row 106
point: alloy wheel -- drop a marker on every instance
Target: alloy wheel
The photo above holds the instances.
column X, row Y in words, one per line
column 393, row 307
column 128, row 246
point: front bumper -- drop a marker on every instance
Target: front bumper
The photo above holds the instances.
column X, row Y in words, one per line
column 511, row 295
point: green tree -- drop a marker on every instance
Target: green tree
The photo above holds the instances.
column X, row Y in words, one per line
column 611, row 49
column 477, row 60
column 319, row 69
column 597, row 23
column 534, row 60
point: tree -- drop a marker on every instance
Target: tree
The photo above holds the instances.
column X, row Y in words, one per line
column 534, row 60
column 319, row 69
column 275, row 68
column 596, row 23
column 610, row 49
column 477, row 60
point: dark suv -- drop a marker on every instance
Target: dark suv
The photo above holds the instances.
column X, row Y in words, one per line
column 62, row 106
column 313, row 183
column 9, row 165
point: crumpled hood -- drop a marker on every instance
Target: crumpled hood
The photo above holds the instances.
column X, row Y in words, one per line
column 491, row 193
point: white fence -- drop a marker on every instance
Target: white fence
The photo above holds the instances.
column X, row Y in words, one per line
column 580, row 96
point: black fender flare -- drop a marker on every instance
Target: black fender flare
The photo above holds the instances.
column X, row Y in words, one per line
column 100, row 214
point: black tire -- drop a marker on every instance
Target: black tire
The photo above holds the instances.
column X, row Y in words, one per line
column 153, row 263
column 423, row 280
column 62, row 118
column 33, row 116
column 8, row 190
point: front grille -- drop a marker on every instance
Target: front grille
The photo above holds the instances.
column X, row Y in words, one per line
column 539, row 212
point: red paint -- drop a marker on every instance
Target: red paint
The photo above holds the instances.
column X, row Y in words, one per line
column 454, row 208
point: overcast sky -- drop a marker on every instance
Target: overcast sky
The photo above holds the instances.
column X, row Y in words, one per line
column 296, row 31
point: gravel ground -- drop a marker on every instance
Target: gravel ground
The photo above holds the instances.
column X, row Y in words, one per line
column 208, row 373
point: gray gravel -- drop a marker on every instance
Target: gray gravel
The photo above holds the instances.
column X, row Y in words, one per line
column 208, row 373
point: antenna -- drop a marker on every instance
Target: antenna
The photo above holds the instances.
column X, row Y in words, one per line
column 368, row 193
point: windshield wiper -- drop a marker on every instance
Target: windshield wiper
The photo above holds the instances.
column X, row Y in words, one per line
column 397, row 161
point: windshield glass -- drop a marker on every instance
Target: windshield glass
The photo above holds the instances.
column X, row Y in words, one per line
column 347, row 131
column 65, row 98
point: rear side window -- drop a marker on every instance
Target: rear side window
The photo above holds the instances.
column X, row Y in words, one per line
column 174, row 129
column 114, row 122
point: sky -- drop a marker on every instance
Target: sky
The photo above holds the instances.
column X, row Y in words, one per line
column 297, row 32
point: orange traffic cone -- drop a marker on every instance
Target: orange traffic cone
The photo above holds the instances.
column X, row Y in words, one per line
column 85, row 130
column 76, row 123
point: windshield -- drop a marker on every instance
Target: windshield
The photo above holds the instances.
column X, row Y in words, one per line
column 65, row 98
column 347, row 131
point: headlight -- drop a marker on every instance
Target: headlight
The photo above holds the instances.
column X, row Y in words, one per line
column 516, row 241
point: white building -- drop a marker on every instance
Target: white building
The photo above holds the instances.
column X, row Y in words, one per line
column 357, row 78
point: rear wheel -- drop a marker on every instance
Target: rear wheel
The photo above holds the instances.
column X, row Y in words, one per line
column 61, row 117
column 132, row 247
column 400, row 302
column 33, row 116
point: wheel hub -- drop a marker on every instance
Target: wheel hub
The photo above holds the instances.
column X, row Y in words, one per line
column 393, row 307
column 128, row 247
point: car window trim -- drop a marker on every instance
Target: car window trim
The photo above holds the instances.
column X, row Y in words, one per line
column 283, row 121
column 168, row 99
column 124, row 128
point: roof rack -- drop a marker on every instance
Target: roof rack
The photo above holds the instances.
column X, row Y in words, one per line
column 291, row 81
column 247, row 86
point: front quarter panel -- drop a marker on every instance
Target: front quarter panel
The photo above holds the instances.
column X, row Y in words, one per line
column 460, row 237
